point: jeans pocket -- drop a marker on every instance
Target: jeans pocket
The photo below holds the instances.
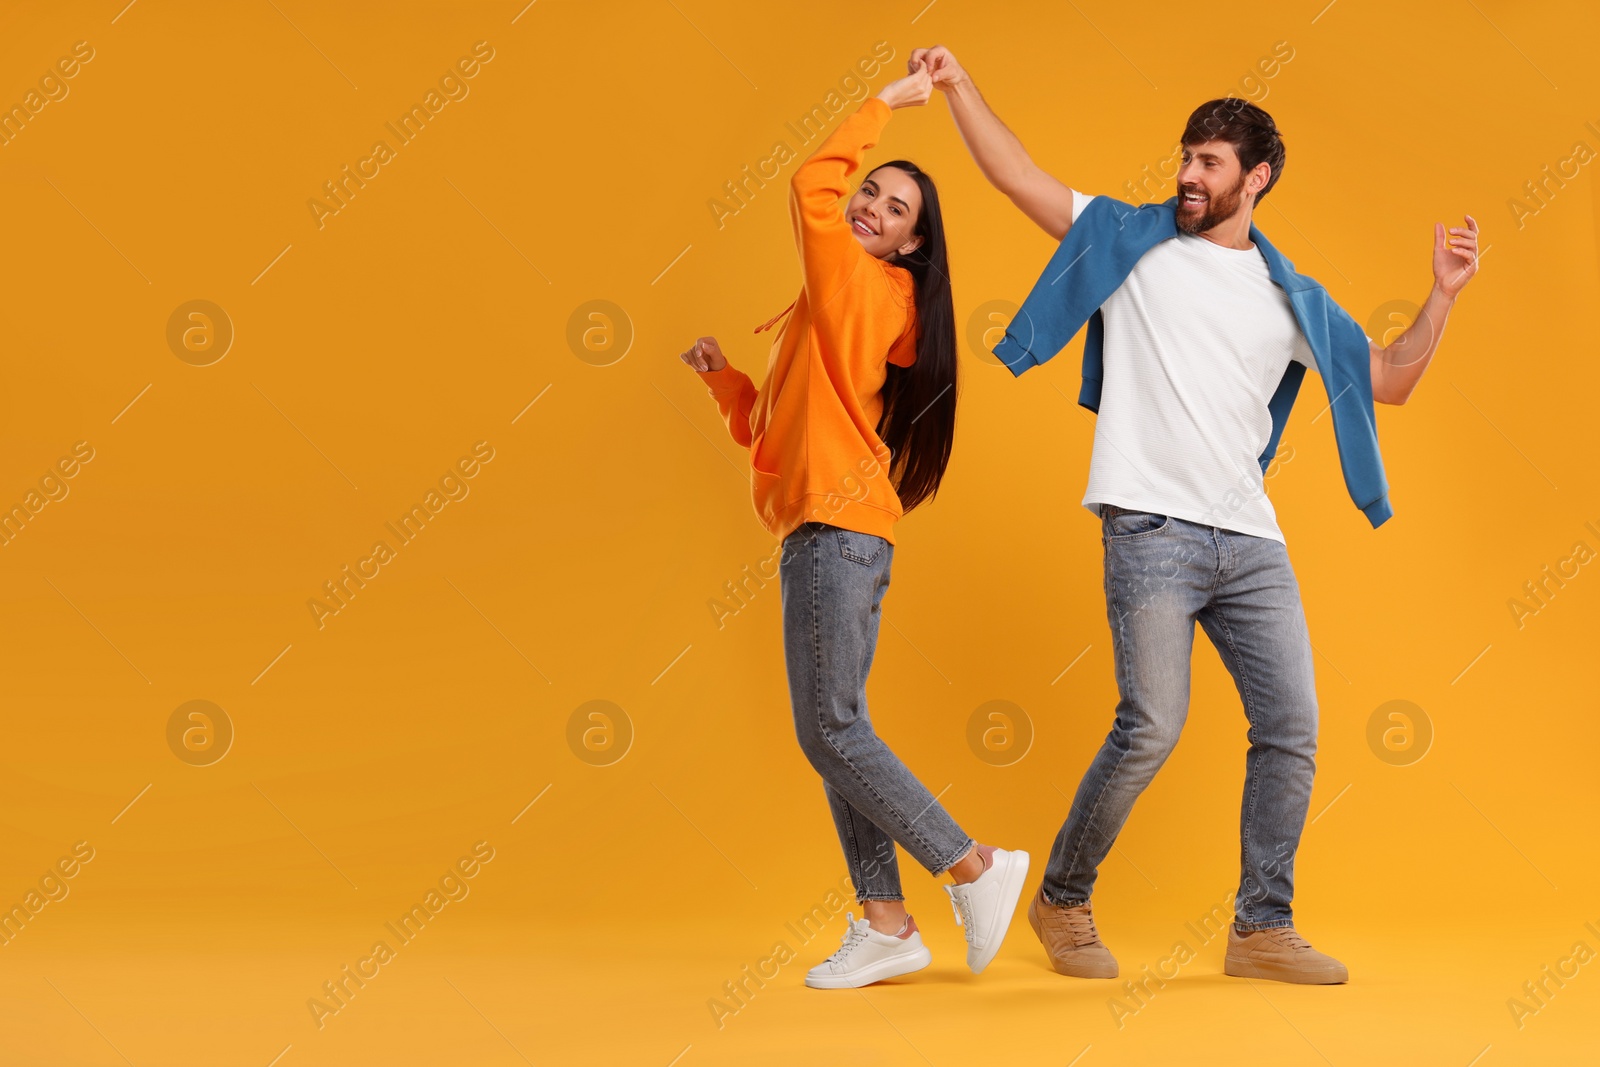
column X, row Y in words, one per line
column 859, row 547
column 1125, row 525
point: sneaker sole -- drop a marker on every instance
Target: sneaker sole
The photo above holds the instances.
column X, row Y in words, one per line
column 1278, row 972
column 1010, row 894
column 893, row 967
column 1100, row 970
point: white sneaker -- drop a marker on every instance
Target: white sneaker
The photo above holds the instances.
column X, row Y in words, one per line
column 866, row 956
column 984, row 907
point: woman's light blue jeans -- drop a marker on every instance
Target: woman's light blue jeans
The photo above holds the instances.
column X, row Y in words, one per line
column 833, row 583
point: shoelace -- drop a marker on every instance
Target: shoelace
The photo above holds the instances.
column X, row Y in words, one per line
column 1076, row 923
column 1287, row 937
column 1081, row 924
column 853, row 936
column 961, row 904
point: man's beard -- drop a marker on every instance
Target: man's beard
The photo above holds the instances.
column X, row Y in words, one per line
column 1216, row 210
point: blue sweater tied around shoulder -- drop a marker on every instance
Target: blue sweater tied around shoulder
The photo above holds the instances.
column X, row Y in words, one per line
column 1097, row 255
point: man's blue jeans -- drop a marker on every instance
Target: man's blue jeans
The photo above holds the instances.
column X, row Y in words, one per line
column 1162, row 575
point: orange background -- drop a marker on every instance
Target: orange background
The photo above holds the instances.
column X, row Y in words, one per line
column 371, row 354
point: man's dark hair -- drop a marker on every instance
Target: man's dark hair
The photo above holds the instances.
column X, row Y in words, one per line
column 1249, row 129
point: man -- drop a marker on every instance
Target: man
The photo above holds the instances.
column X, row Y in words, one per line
column 1199, row 334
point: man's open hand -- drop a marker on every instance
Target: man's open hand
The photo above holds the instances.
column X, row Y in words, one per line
column 1455, row 255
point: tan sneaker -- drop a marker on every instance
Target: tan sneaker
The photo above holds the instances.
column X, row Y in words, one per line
column 1280, row 955
column 1070, row 939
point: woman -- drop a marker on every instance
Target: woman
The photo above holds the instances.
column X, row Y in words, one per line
column 852, row 427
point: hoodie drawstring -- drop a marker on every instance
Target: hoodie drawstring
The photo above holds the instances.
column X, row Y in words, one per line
column 770, row 323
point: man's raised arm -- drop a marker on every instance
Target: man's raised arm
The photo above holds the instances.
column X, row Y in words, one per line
column 996, row 149
column 1397, row 368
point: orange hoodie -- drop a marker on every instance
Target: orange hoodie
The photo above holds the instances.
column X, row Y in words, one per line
column 815, row 454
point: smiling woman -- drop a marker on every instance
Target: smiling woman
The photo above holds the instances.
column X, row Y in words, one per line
column 861, row 377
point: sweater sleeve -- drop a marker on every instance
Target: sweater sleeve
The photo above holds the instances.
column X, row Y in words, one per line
column 735, row 395
column 829, row 252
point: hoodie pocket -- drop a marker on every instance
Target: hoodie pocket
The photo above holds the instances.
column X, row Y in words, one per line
column 758, row 461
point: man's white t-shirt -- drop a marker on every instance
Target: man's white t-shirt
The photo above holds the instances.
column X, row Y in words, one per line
column 1196, row 340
